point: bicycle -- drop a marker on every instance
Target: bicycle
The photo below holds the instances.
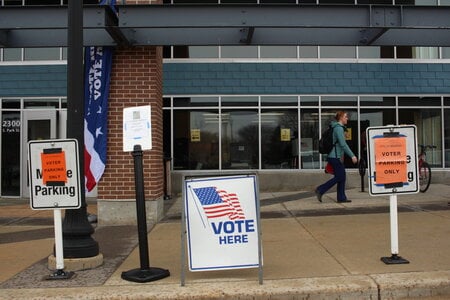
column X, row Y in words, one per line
column 424, row 168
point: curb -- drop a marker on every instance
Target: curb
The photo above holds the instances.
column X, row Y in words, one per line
column 379, row 286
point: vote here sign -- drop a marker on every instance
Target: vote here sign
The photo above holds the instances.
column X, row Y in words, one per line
column 392, row 153
column 222, row 221
column 53, row 173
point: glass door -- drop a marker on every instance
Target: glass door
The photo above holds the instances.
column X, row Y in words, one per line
column 37, row 125
column 10, row 164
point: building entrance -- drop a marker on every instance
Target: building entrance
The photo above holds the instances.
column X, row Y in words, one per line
column 19, row 127
column 37, row 125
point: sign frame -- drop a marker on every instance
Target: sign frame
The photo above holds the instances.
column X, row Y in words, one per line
column 61, row 192
column 201, row 233
column 137, row 128
column 409, row 132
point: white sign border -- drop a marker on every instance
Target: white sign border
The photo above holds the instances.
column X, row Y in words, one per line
column 31, row 163
column 257, row 233
column 371, row 158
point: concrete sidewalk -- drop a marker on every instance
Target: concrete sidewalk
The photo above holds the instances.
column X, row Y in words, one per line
column 311, row 250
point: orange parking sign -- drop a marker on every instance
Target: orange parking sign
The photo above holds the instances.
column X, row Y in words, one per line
column 390, row 160
column 54, row 168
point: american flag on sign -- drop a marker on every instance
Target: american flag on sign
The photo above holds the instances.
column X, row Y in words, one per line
column 218, row 203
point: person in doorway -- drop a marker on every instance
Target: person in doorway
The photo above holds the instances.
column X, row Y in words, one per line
column 336, row 158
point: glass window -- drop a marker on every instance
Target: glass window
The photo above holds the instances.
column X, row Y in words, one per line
column 446, row 51
column 12, row 54
column 419, row 101
column 309, row 137
column 238, row 1
column 427, row 2
column 404, row 2
column 426, row 52
column 373, row 117
column 64, row 53
column 41, row 54
column 190, row 1
column 167, row 134
column 309, row 100
column 429, row 130
column 167, row 52
column 63, row 102
column 369, row 52
column 447, row 101
column 445, row 2
column 195, row 101
column 376, row 101
column 336, row 1
column 203, row 52
column 12, row 2
column 196, row 139
column 340, row 101
column 375, row 1
column 309, row 51
column 10, row 158
column 42, row 2
column 387, row 52
column 279, row 139
column 279, row 101
column 447, row 137
column 417, row 52
column 41, row 103
column 11, row 103
column 278, row 51
column 277, row 1
column 239, row 101
column 180, row 51
column 338, row 52
column 166, row 102
column 239, row 51
column 240, row 142
column 351, row 133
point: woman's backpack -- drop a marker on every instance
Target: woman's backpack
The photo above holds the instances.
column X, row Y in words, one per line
column 326, row 141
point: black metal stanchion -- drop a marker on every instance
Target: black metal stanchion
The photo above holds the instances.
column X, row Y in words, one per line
column 145, row 273
column 362, row 172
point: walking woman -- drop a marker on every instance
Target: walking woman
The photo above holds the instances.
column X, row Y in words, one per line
column 336, row 159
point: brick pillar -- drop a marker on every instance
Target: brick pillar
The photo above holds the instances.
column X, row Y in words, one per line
column 136, row 81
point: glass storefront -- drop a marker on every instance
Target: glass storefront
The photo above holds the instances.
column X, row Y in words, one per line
column 282, row 132
column 22, row 120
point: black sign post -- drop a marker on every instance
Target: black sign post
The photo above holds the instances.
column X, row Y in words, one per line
column 145, row 273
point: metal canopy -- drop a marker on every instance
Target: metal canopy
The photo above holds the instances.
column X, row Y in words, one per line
column 138, row 25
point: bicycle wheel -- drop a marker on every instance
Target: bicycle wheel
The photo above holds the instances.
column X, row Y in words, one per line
column 424, row 177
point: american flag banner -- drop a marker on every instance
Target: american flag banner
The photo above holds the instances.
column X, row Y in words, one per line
column 218, row 203
column 98, row 62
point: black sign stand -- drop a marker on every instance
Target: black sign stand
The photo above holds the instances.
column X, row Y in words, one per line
column 145, row 273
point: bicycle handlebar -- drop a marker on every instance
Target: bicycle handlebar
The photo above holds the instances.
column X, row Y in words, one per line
column 427, row 146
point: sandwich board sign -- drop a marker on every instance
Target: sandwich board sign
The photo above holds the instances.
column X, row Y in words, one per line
column 221, row 215
column 392, row 154
column 53, row 168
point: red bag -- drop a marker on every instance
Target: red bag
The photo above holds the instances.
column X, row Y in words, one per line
column 329, row 168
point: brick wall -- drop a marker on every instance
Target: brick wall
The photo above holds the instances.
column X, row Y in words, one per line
column 136, row 81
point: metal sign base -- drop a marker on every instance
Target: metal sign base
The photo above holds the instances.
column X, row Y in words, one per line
column 146, row 275
column 60, row 274
column 394, row 260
